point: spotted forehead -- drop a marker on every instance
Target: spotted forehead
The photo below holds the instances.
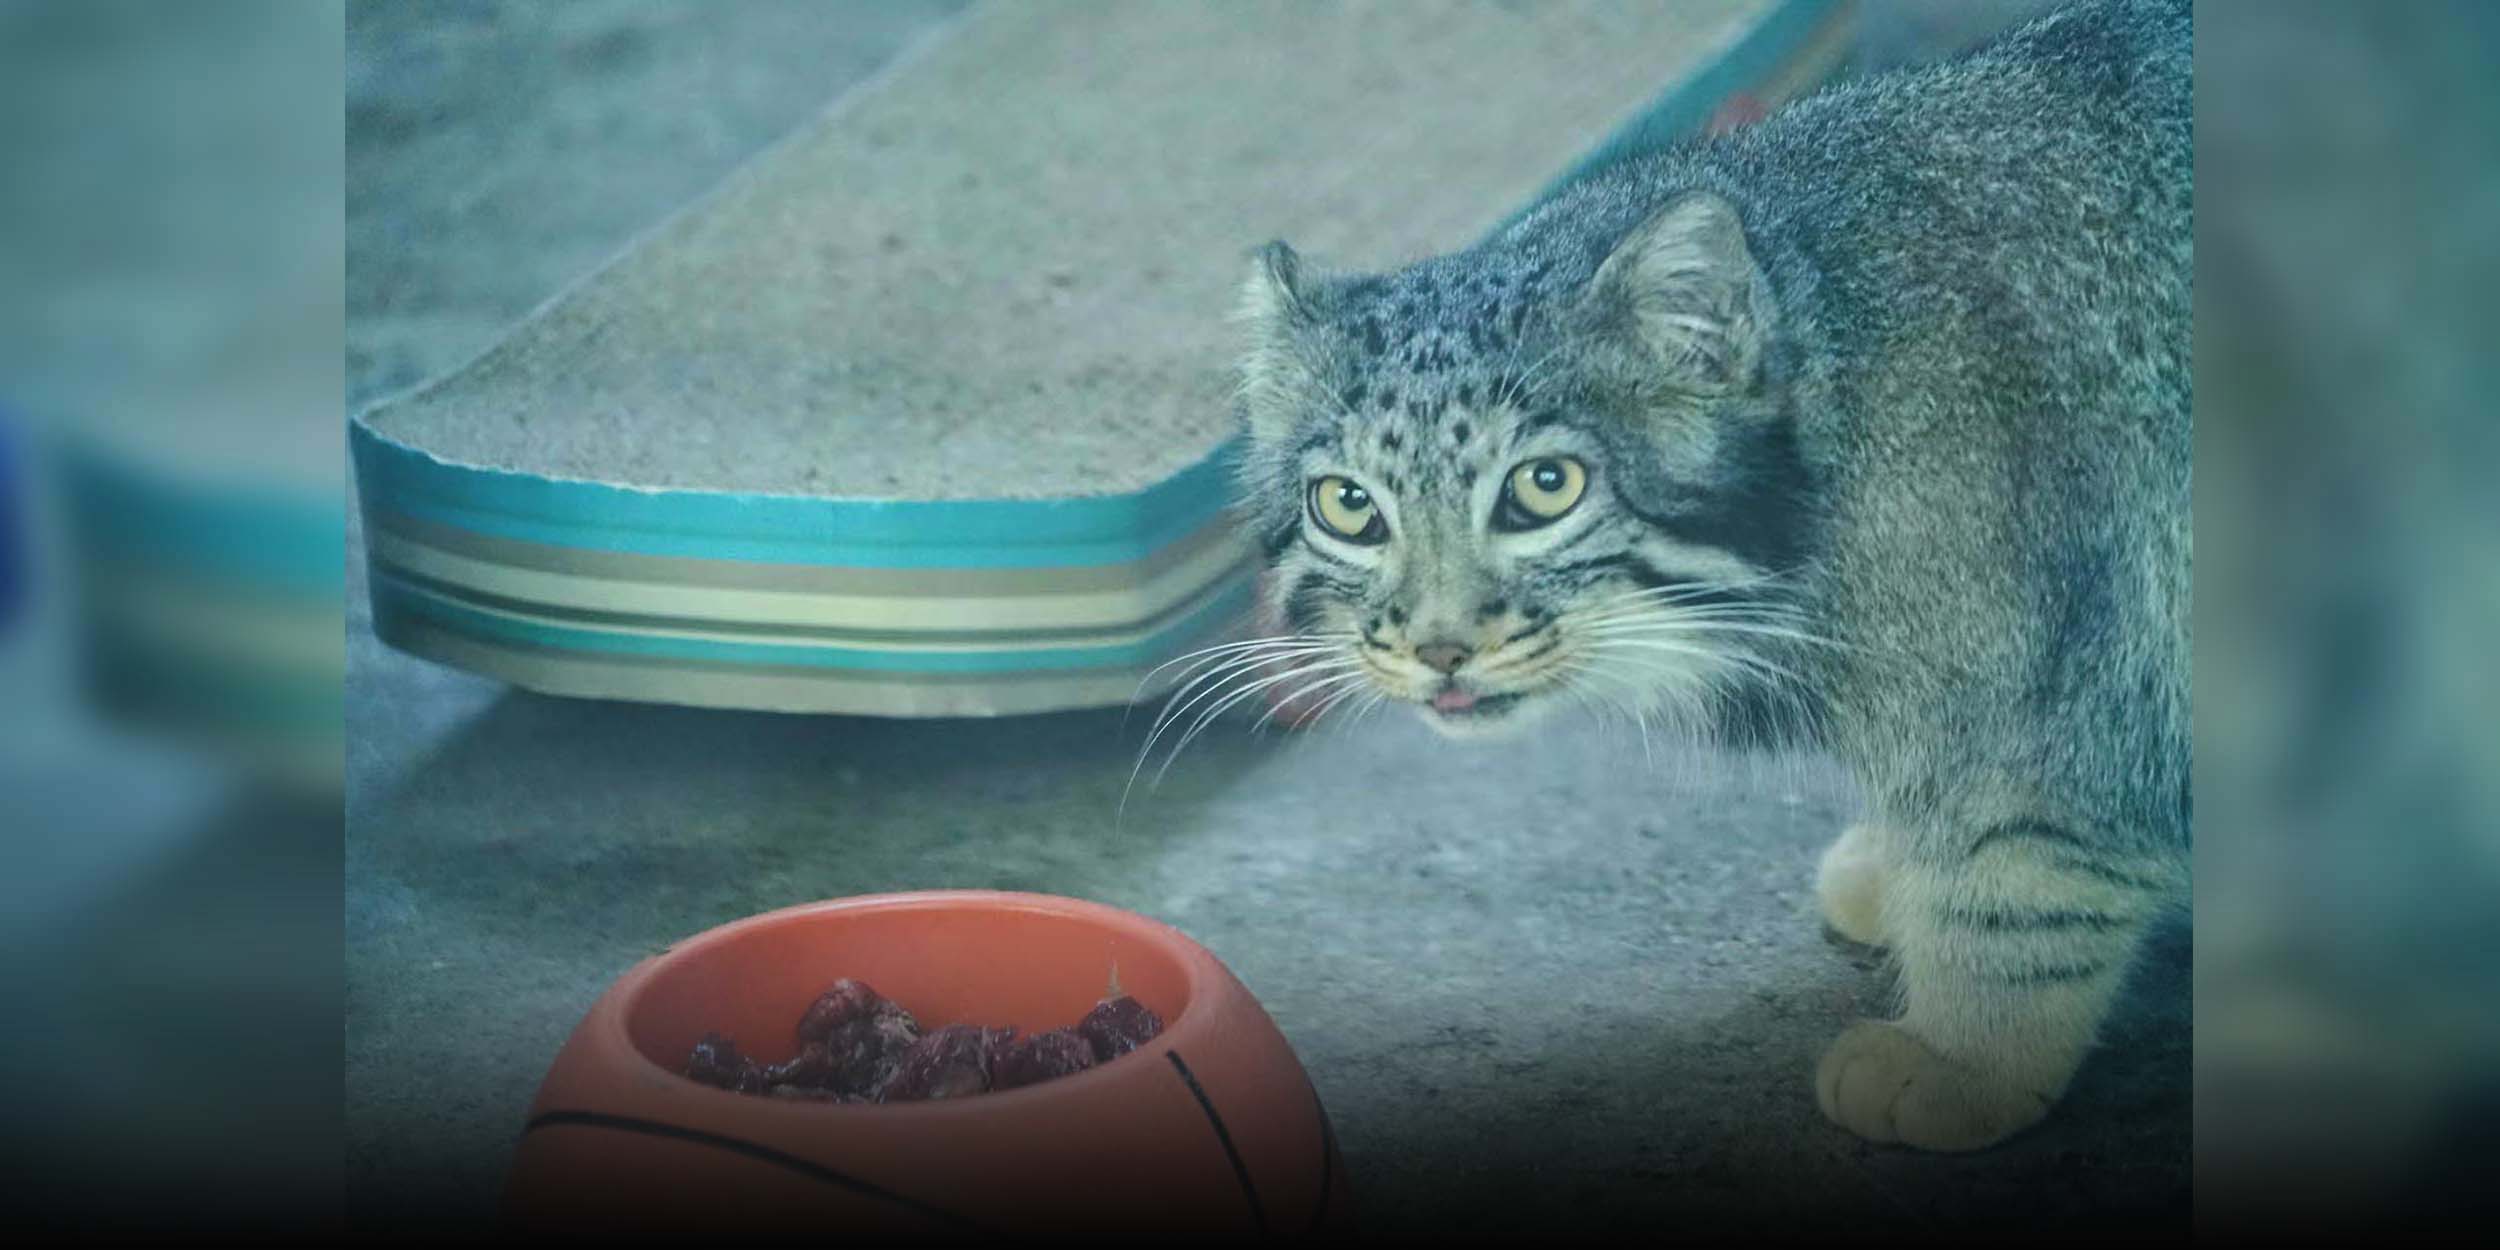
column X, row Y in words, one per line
column 1420, row 438
column 1428, row 322
column 1435, row 370
column 1427, row 431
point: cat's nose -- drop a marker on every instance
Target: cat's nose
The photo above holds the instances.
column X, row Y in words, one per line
column 1444, row 656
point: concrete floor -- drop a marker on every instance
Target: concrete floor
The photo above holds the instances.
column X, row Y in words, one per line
column 1551, row 987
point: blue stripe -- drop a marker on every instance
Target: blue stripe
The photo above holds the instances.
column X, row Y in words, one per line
column 795, row 529
column 392, row 600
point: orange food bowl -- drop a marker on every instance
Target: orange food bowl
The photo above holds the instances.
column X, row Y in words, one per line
column 1211, row 1126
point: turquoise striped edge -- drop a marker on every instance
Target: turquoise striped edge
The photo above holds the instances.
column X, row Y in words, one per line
column 395, row 600
column 793, row 529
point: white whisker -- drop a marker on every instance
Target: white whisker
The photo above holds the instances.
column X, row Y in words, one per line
column 1227, row 671
column 1379, row 699
column 1744, row 659
column 1329, row 704
column 1279, row 703
column 1670, row 628
column 1224, row 667
column 1219, row 648
column 1207, row 717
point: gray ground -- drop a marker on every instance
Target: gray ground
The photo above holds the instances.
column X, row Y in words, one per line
column 1569, row 991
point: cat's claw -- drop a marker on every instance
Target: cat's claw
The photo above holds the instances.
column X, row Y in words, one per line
column 1883, row 1084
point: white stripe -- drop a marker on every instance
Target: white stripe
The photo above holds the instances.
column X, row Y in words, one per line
column 728, row 631
column 1149, row 599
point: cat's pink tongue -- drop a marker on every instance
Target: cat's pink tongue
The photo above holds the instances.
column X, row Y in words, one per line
column 1453, row 700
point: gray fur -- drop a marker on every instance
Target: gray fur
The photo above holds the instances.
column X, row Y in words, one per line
column 1898, row 380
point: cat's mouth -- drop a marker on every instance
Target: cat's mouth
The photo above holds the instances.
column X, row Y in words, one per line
column 1459, row 706
column 1455, row 700
column 1455, row 704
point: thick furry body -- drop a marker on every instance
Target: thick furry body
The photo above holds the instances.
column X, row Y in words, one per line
column 1892, row 391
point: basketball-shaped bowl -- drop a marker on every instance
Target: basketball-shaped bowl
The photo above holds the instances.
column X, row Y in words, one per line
column 1210, row 1127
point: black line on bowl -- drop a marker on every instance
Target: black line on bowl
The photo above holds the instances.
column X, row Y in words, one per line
column 1327, row 1157
column 766, row 1154
column 1224, row 1138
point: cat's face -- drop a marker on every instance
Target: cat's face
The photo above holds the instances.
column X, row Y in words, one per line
column 1488, row 494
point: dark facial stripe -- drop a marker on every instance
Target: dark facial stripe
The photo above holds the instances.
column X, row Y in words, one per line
column 1621, row 563
column 1650, row 577
column 1586, row 533
column 1309, row 597
column 1749, row 535
column 1551, row 641
column 1276, row 540
column 1753, row 506
column 1325, row 555
column 1532, row 423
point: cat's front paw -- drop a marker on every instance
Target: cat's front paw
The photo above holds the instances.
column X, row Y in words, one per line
column 1883, row 1084
column 1850, row 885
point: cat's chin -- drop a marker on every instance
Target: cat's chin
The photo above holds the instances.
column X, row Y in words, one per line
column 1491, row 717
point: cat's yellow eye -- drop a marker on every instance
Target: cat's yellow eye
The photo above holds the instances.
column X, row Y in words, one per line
column 1542, row 490
column 1347, row 510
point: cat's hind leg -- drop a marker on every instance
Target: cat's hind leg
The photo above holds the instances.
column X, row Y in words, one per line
column 2010, row 951
column 1849, row 883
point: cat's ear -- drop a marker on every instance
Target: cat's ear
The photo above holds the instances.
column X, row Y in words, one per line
column 1273, row 311
column 1683, row 292
column 1271, row 293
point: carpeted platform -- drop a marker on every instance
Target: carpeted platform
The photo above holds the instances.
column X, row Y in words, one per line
column 923, row 412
